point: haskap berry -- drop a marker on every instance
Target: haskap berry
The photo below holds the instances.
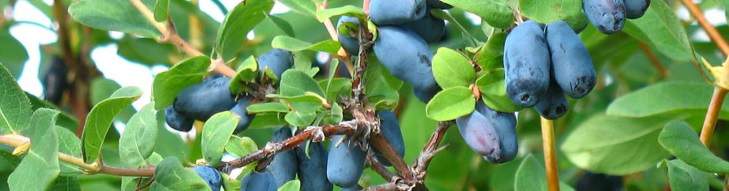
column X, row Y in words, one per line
column 527, row 63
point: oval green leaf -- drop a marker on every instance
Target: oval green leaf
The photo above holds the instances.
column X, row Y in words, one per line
column 100, row 118
column 450, row 104
column 615, row 145
column 452, row 69
column 679, row 139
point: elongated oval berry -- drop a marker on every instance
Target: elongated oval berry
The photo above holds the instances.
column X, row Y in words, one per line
column 490, row 133
column 395, row 12
column 239, row 109
column 258, row 181
column 345, row 162
column 607, row 15
column 407, row 57
column 278, row 60
column 313, row 167
column 636, row 8
column 526, row 61
column 552, row 104
column 430, row 28
column 177, row 121
column 55, row 81
column 210, row 175
column 349, row 41
column 203, row 100
column 283, row 167
column 390, row 129
column 571, row 62
column 599, row 182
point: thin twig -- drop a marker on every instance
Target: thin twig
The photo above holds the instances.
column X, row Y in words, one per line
column 431, row 148
column 712, row 114
column 14, row 140
column 379, row 167
column 171, row 36
column 653, row 58
column 719, row 93
column 314, row 133
column 550, row 156
column 714, row 34
column 341, row 54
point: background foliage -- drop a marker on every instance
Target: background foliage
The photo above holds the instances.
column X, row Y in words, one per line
column 639, row 123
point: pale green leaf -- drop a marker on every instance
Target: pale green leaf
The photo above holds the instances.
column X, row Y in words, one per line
column 100, row 118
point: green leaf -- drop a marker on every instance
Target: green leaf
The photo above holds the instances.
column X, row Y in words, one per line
column 291, row 185
column 666, row 97
column 300, row 118
column 137, row 142
column 240, row 146
column 216, row 132
column 296, row 83
column 40, row 166
column 100, row 118
column 381, row 87
column 15, row 108
column 349, row 10
column 663, row 29
column 238, row 23
column 267, row 107
column 13, row 56
column 530, row 176
column 615, row 145
column 451, row 69
column 102, row 88
column 112, row 16
column 339, row 87
column 171, row 175
column 547, row 11
column 304, row 7
column 282, row 24
column 267, row 120
column 146, row 50
column 450, row 104
column 682, row 176
column 245, row 74
column 168, row 84
column 495, row 12
column 679, row 139
column 292, row 44
column 333, row 115
column 490, row 55
column 161, row 10
column 493, row 91
column 69, row 144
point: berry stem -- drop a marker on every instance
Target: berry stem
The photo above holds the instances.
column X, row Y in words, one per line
column 550, row 157
column 719, row 93
column 712, row 113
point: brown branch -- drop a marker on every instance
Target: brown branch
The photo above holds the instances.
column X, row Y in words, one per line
column 380, row 143
column 653, row 58
column 550, row 156
column 313, row 133
column 379, row 167
column 431, row 148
